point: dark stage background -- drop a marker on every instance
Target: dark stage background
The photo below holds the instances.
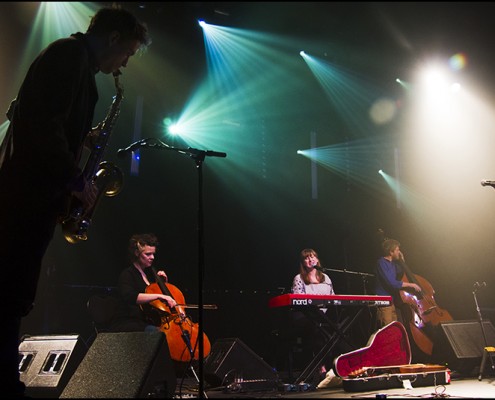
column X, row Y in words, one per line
column 259, row 214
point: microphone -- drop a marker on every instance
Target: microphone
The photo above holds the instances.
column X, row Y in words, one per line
column 212, row 153
column 315, row 266
column 478, row 285
column 486, row 182
column 209, row 153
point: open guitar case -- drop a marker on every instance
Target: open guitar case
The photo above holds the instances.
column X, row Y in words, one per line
column 385, row 363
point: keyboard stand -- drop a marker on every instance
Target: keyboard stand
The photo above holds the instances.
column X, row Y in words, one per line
column 335, row 333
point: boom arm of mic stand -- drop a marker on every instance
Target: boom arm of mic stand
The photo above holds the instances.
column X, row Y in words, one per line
column 194, row 153
column 347, row 271
column 363, row 275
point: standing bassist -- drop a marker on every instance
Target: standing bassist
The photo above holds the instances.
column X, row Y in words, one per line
column 413, row 301
column 389, row 272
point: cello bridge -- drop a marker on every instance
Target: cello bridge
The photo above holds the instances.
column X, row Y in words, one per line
column 181, row 318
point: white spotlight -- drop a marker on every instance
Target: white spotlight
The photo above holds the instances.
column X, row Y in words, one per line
column 455, row 87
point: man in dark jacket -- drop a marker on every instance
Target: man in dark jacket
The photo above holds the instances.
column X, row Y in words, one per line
column 51, row 118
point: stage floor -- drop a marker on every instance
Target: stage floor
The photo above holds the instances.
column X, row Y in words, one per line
column 465, row 387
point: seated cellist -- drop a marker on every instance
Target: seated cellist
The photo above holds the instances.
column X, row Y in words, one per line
column 132, row 284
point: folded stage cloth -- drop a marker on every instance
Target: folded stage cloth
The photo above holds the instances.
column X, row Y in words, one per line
column 331, row 381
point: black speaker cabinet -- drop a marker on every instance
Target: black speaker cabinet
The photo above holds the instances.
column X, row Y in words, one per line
column 125, row 365
column 460, row 344
column 46, row 363
column 230, row 360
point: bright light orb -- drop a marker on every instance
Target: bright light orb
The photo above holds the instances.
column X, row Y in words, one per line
column 382, row 111
column 458, row 61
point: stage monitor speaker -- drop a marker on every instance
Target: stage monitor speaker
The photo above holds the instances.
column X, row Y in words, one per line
column 46, row 363
column 125, row 365
column 461, row 343
column 231, row 360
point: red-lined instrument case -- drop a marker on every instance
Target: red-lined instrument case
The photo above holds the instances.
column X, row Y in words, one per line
column 385, row 362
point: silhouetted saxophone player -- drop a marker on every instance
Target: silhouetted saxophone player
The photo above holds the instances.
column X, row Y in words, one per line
column 40, row 155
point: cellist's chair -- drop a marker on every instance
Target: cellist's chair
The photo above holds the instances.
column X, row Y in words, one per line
column 488, row 351
column 102, row 311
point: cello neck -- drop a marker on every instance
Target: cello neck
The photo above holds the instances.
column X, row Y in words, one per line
column 161, row 284
column 410, row 276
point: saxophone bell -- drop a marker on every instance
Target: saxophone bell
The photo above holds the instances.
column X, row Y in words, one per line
column 109, row 180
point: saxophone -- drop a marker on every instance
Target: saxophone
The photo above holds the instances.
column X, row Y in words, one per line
column 107, row 177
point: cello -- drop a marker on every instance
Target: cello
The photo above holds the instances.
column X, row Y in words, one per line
column 181, row 332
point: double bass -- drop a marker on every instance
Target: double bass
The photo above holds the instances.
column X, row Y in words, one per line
column 181, row 332
column 421, row 312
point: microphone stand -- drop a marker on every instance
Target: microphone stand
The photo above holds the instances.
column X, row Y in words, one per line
column 486, row 351
column 364, row 275
column 199, row 157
